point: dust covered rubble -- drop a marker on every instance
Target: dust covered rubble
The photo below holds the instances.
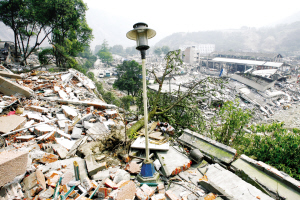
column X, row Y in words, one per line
column 63, row 142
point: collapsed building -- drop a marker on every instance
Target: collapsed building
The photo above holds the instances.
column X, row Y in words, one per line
column 59, row 140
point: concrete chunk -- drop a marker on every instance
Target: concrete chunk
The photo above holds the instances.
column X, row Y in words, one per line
column 92, row 166
column 70, row 112
column 12, row 164
column 76, row 133
column 231, row 185
column 8, row 87
column 10, row 123
column 172, row 161
column 264, row 177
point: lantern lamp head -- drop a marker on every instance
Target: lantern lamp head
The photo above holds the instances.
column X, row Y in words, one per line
column 141, row 33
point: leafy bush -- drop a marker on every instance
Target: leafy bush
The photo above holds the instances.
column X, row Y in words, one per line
column 275, row 146
column 233, row 119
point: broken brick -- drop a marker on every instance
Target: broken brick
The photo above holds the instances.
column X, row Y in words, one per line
column 141, row 195
column 103, row 192
column 147, row 190
column 109, row 183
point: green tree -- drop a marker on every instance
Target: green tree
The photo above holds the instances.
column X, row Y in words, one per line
column 117, row 49
column 104, row 53
column 38, row 19
column 45, row 56
column 128, row 77
column 29, row 20
column 157, row 51
column 165, row 49
column 126, row 101
column 179, row 107
column 71, row 32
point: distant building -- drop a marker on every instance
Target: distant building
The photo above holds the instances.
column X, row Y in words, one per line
column 191, row 53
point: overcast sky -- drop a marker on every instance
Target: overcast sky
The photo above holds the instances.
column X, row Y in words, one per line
column 170, row 16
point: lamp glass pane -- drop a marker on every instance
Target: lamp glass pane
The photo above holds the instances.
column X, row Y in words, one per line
column 141, row 38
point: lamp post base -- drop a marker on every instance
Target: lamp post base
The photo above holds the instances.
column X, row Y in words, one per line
column 148, row 173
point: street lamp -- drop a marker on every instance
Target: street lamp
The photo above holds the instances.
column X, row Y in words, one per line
column 141, row 33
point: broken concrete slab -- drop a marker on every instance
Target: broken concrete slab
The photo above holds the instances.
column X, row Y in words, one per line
column 8, row 87
column 43, row 129
column 10, row 75
column 139, row 143
column 68, row 166
column 121, row 175
column 70, row 112
column 97, row 130
column 172, row 161
column 183, row 190
column 30, row 181
column 38, row 109
column 92, row 166
column 267, row 178
column 76, row 133
column 230, row 185
column 76, row 145
column 101, row 175
column 210, row 148
column 12, row 164
column 12, row 122
column 60, row 150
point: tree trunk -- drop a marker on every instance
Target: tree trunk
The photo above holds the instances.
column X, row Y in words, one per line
column 139, row 124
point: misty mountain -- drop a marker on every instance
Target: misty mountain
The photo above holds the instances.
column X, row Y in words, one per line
column 284, row 38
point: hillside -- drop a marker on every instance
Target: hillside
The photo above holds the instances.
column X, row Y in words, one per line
column 281, row 38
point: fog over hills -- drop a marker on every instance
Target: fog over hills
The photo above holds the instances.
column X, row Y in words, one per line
column 283, row 37
column 280, row 36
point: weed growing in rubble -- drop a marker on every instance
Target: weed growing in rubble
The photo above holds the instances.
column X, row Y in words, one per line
column 275, row 146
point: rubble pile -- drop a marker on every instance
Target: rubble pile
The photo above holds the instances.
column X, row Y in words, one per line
column 60, row 141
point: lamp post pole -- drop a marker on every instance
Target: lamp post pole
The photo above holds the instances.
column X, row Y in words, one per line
column 145, row 105
column 141, row 33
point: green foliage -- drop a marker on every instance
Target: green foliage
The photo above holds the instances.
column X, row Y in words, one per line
column 128, row 77
column 133, row 136
column 104, row 53
column 99, row 87
column 91, row 76
column 45, row 56
column 126, row 102
column 110, row 98
column 157, row 51
column 87, row 53
column 118, row 50
column 277, row 147
column 105, row 56
column 165, row 49
column 233, row 120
